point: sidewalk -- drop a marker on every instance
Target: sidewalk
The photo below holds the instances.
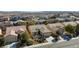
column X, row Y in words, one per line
column 59, row 44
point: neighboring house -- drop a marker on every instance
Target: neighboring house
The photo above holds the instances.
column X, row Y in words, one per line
column 68, row 19
column 39, row 21
column 4, row 18
column 64, row 15
column 6, row 23
column 12, row 33
column 27, row 18
column 52, row 20
column 56, row 27
column 73, row 17
column 71, row 23
column 60, row 19
column 43, row 29
column 15, row 18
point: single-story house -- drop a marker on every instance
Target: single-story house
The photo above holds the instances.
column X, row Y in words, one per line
column 6, row 23
column 39, row 21
column 52, row 20
column 56, row 27
column 72, row 16
column 64, row 15
column 43, row 29
column 60, row 19
column 12, row 33
column 4, row 18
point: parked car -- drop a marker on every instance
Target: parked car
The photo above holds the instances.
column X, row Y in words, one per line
column 67, row 37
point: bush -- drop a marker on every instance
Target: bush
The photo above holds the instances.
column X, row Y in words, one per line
column 70, row 29
column 77, row 28
column 25, row 39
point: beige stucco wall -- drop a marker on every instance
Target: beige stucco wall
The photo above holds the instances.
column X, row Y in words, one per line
column 10, row 38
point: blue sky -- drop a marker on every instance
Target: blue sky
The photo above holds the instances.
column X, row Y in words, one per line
column 39, row 5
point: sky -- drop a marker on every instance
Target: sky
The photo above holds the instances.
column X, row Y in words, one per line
column 39, row 5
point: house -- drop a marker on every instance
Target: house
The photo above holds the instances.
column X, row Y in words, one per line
column 52, row 20
column 56, row 27
column 15, row 18
column 39, row 21
column 68, row 19
column 45, row 32
column 64, row 15
column 60, row 19
column 4, row 18
column 71, row 23
column 73, row 17
column 12, row 33
column 6, row 23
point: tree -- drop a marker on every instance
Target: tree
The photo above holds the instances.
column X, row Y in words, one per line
column 70, row 29
column 25, row 39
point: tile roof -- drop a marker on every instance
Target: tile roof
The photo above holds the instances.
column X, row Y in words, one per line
column 12, row 29
column 42, row 28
